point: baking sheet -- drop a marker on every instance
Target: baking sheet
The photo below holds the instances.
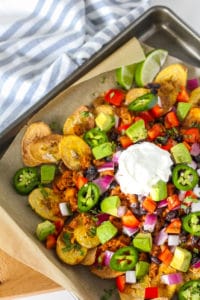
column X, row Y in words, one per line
column 159, row 27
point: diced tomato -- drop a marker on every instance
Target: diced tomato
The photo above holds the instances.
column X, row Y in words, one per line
column 146, row 116
column 170, row 143
column 123, row 127
column 115, row 97
column 155, row 131
column 191, row 135
column 166, row 256
column 171, row 120
column 130, row 220
column 149, row 204
column 151, row 292
column 191, row 194
column 50, row 241
column 174, row 226
column 173, row 201
column 120, row 283
column 125, row 141
column 183, row 95
column 156, row 111
column 81, row 181
column 59, row 225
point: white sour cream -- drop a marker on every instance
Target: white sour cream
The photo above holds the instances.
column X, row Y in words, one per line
column 141, row 166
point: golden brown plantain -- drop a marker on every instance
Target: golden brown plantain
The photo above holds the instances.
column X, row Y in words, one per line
column 193, row 117
column 195, row 97
column 134, row 94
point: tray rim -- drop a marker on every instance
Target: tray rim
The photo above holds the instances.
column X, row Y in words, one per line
column 9, row 133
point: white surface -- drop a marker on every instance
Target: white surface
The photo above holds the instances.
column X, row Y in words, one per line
column 188, row 10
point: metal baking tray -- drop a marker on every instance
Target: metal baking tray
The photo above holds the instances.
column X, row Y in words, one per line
column 159, row 27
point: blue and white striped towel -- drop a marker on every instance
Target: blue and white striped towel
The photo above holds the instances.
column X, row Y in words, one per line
column 43, row 41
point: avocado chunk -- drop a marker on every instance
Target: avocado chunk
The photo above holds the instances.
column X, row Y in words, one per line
column 181, row 154
column 104, row 121
column 183, row 109
column 102, row 150
column 109, row 205
column 181, row 259
column 137, row 131
column 44, row 229
column 159, row 191
column 106, row 231
column 143, row 242
column 47, row 173
column 141, row 269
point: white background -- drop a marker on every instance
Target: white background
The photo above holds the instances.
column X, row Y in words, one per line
column 189, row 12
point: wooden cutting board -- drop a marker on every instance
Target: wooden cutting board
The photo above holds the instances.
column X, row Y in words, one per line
column 17, row 279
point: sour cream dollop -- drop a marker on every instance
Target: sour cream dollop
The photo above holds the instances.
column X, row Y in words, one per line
column 141, row 166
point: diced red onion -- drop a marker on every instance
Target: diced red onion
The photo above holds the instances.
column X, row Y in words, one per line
column 102, row 218
column 161, row 238
column 193, row 164
column 196, row 265
column 176, row 207
column 64, row 209
column 150, row 222
column 104, row 182
column 116, row 121
column 162, row 203
column 173, row 278
column 198, row 171
column 107, row 257
column 192, row 84
column 195, row 149
column 195, row 207
column 116, row 156
column 121, row 210
column 129, row 230
column 173, row 240
column 196, row 190
column 130, row 276
column 108, row 166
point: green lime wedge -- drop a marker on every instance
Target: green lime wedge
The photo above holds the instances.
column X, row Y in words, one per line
column 148, row 69
column 125, row 76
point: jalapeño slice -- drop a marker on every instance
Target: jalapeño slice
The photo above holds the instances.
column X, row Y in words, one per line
column 142, row 103
column 95, row 137
column 88, row 196
column 190, row 290
column 184, row 177
column 191, row 223
column 25, row 180
column 124, row 259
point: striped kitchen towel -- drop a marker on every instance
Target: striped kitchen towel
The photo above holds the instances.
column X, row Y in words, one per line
column 44, row 41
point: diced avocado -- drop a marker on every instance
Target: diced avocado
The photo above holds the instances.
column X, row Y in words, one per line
column 110, row 205
column 141, row 268
column 102, row 150
column 47, row 173
column 105, row 121
column 137, row 131
column 159, row 191
column 181, row 259
column 143, row 242
column 183, row 109
column 181, row 154
column 106, row 231
column 44, row 229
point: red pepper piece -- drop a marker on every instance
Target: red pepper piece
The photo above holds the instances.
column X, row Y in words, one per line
column 183, row 95
column 125, row 141
column 155, row 131
column 191, row 135
column 173, row 202
column 115, row 97
column 156, row 111
column 122, row 127
column 120, row 283
column 130, row 220
column 151, row 292
column 149, row 204
column 81, row 181
column 171, row 120
column 174, row 226
column 50, row 241
column 170, row 143
column 146, row 116
column 59, row 226
column 166, row 256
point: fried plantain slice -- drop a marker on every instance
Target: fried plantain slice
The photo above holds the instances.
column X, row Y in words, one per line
column 69, row 251
column 90, row 257
column 193, row 117
column 79, row 122
column 134, row 94
column 45, row 203
column 195, row 97
column 75, row 153
column 105, row 272
column 86, row 235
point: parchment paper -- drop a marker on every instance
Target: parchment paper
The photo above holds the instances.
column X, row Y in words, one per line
column 18, row 221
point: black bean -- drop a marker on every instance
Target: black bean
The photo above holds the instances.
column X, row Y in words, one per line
column 171, row 215
column 91, row 173
column 197, row 158
column 155, row 260
column 113, row 136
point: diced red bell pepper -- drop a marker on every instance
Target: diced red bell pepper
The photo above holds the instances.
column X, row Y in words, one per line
column 171, row 120
column 156, row 111
column 183, row 95
column 146, row 116
column 125, row 141
column 173, row 201
column 166, row 256
column 191, row 194
column 170, row 143
column 174, row 227
column 155, row 131
column 81, row 181
column 151, row 292
column 130, row 220
column 120, row 283
column 123, row 127
column 115, row 97
column 149, row 204
column 191, row 135
column 50, row 241
column 59, row 225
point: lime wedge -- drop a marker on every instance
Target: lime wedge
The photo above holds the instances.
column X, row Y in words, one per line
column 147, row 70
column 125, row 75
